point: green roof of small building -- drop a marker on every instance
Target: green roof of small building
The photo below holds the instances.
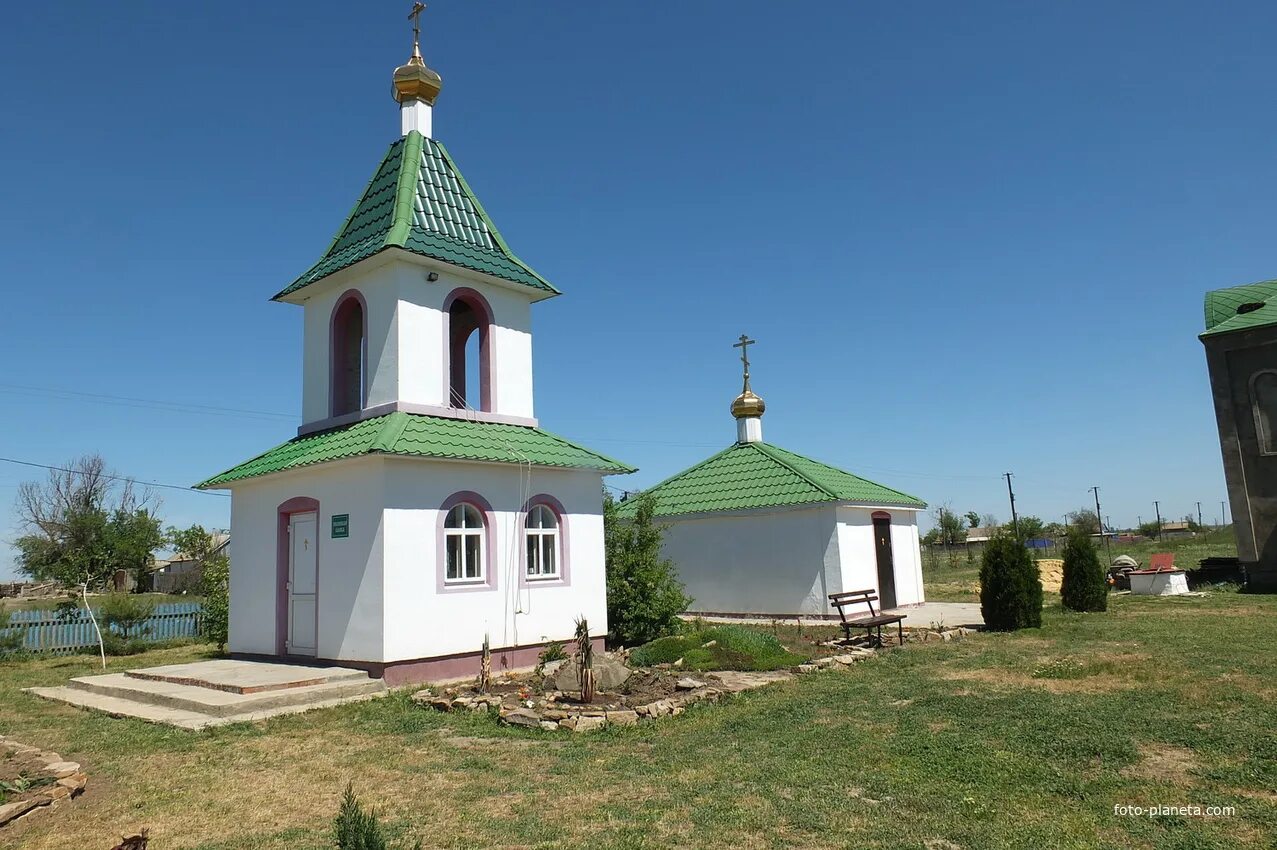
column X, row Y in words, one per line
column 416, row 435
column 418, row 201
column 1240, row 308
column 760, row 475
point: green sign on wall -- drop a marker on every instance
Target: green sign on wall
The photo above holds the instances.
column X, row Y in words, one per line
column 341, row 525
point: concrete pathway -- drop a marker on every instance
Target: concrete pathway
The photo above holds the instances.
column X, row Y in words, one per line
column 922, row 616
column 946, row 614
column 214, row 693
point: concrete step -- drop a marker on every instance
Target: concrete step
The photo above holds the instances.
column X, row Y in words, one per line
column 182, row 718
column 247, row 677
column 220, row 703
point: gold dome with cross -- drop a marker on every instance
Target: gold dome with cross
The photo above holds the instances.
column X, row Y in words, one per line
column 414, row 80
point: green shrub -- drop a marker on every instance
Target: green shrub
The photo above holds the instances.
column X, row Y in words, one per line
column 115, row 644
column 1085, row 583
column 216, row 587
column 10, row 641
column 354, row 828
column 127, row 613
column 664, row 650
column 1010, row 589
column 644, row 595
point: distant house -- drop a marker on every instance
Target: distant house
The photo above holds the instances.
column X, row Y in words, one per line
column 1177, row 529
column 182, row 574
column 982, row 534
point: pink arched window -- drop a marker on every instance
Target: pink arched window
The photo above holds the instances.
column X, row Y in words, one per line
column 348, row 346
column 469, row 342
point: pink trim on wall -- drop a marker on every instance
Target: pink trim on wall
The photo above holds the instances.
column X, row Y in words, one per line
column 563, row 579
column 454, row 350
column 295, row 505
column 489, row 545
column 461, row 665
column 335, row 345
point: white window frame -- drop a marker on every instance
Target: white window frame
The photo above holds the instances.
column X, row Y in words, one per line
column 471, row 536
column 534, row 569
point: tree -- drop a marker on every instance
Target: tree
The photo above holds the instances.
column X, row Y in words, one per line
column 1085, row 583
column 81, row 525
column 952, row 531
column 1031, row 527
column 1010, row 589
column 201, row 546
column 1085, row 519
column 973, row 519
column 988, row 521
column 644, row 595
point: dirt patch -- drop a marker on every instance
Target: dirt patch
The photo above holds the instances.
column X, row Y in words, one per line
column 1163, row 763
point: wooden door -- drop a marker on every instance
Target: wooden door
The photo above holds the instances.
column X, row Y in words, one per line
column 303, row 575
column 886, row 563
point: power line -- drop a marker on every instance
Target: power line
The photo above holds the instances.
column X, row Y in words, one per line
column 116, row 478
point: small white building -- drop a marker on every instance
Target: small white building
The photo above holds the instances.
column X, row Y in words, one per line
column 420, row 507
column 757, row 530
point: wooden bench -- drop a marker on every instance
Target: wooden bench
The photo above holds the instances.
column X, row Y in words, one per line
column 871, row 624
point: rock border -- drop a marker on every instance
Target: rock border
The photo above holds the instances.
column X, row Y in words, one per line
column 70, row 783
column 549, row 716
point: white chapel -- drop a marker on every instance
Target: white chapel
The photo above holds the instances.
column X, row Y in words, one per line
column 757, row 530
column 420, row 507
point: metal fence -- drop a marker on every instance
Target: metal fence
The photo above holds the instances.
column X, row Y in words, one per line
column 45, row 631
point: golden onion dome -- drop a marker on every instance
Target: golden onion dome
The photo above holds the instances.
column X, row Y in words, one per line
column 748, row 404
column 415, row 81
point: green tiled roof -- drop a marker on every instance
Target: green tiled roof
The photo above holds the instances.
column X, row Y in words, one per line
column 415, row 435
column 418, row 201
column 1223, row 313
column 760, row 475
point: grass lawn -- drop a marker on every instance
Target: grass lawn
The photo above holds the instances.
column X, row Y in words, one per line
column 957, row 579
column 1025, row 740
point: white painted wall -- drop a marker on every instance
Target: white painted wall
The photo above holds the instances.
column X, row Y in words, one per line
column 788, row 560
column 778, row 561
column 378, row 597
column 350, row 590
column 424, row 622
column 406, row 351
column 859, row 554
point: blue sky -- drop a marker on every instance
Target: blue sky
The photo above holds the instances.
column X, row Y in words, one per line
column 970, row 238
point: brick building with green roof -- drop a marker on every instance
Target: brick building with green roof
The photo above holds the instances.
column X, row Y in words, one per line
column 1241, row 357
column 757, row 530
column 420, row 507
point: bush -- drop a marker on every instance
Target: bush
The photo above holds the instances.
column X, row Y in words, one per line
column 127, row 613
column 114, row 644
column 644, row 595
column 216, row 587
column 1010, row 590
column 10, row 641
column 1085, row 583
column 730, row 648
column 354, row 828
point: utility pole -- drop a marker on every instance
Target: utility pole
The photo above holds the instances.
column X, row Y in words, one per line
column 1199, row 514
column 1015, row 520
column 1108, row 552
column 1158, row 508
column 1223, row 518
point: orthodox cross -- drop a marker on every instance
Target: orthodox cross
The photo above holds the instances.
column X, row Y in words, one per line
column 743, row 345
column 415, row 15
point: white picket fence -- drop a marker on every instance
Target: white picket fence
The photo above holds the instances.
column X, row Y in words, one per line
column 45, row 631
